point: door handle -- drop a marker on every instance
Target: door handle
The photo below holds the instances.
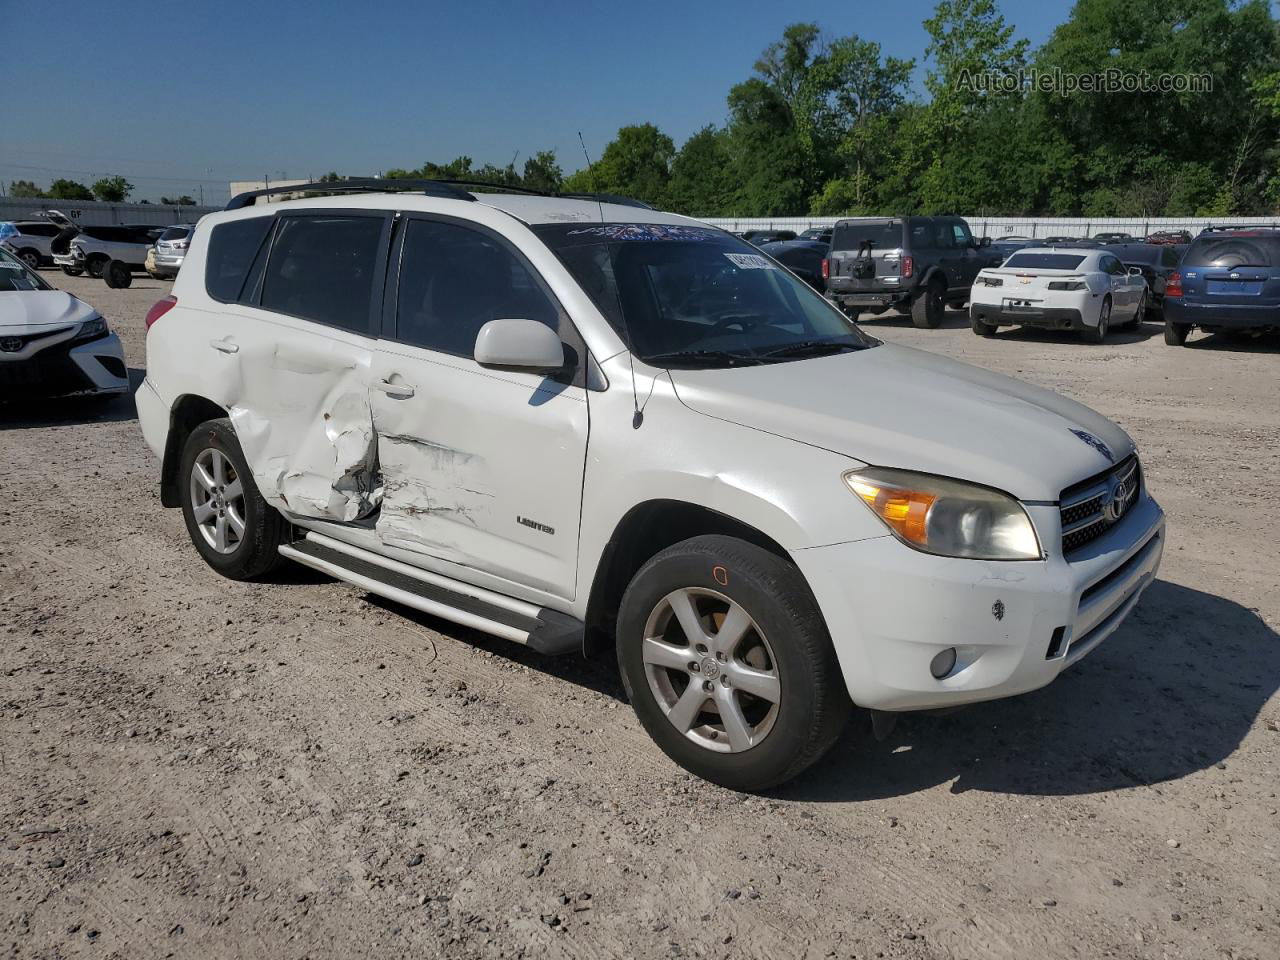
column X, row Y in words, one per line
column 398, row 391
column 226, row 345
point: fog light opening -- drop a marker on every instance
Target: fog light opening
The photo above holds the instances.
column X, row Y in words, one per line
column 943, row 663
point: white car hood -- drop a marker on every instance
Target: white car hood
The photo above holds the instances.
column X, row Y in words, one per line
column 895, row 406
column 32, row 311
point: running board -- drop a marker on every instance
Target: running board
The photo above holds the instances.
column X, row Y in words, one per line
column 546, row 631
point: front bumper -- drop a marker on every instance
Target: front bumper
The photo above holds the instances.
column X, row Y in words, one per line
column 1234, row 317
column 67, row 369
column 1015, row 625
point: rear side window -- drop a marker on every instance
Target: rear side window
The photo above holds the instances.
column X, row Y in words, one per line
column 1238, row 251
column 454, row 280
column 232, row 248
column 324, row 268
column 882, row 234
column 38, row 229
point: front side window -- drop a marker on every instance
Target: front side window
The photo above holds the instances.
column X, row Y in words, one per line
column 454, row 279
column 696, row 296
column 323, row 268
column 962, row 235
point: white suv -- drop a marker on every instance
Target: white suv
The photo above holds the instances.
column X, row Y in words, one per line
column 585, row 425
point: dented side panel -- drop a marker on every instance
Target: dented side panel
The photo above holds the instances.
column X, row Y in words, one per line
column 481, row 468
column 298, row 397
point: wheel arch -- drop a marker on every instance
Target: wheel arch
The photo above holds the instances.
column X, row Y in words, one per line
column 188, row 412
column 642, row 532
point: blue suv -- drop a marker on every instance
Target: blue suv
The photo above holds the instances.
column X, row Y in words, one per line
column 1229, row 279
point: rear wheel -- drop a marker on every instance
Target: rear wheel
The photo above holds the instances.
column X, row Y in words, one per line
column 1099, row 333
column 1175, row 334
column 728, row 664
column 929, row 307
column 95, row 266
column 981, row 327
column 236, row 531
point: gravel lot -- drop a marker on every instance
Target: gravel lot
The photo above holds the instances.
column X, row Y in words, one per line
column 197, row 768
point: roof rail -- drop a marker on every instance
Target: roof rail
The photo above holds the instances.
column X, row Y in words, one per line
column 431, row 188
column 1215, row 227
column 449, row 189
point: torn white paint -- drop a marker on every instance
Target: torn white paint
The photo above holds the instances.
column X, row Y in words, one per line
column 303, row 420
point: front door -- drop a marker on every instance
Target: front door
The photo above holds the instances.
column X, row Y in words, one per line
column 480, row 467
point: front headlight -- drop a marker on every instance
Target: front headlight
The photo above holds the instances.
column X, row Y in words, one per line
column 949, row 518
column 92, row 328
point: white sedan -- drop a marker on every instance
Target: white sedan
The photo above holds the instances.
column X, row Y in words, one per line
column 1089, row 291
column 51, row 343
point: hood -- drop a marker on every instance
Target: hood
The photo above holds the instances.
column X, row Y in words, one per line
column 895, row 406
column 31, row 311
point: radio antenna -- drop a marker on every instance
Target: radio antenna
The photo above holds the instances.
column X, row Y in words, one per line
column 592, row 171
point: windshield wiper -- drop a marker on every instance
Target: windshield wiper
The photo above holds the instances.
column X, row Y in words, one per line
column 810, row 348
column 727, row 357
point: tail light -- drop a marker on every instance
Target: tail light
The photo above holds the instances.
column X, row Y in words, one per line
column 826, row 269
column 1173, row 286
column 159, row 309
column 908, row 266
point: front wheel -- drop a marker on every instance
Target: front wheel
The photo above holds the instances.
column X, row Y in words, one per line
column 727, row 662
column 233, row 528
column 981, row 327
column 1140, row 314
column 31, row 258
column 1175, row 334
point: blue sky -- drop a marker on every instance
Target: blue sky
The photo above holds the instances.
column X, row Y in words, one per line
column 176, row 96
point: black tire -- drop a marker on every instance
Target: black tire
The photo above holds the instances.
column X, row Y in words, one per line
column 929, row 307
column 812, row 706
column 257, row 550
column 109, row 275
column 30, row 257
column 1099, row 333
column 118, row 275
column 981, row 327
column 72, row 271
column 1175, row 334
column 95, row 265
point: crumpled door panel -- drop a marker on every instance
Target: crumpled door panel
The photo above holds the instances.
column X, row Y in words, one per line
column 302, row 416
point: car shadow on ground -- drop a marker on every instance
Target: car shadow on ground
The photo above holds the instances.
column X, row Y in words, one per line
column 1172, row 692
column 1234, row 342
column 68, row 411
column 1117, row 336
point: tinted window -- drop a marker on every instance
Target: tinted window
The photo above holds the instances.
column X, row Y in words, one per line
column 1169, row 255
column 1045, row 261
column 323, row 268
column 454, row 280
column 175, row 233
column 232, row 247
column 38, row 229
column 1229, row 252
column 883, row 234
column 944, row 238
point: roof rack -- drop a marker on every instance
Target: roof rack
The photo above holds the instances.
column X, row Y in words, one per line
column 449, row 189
column 1214, row 228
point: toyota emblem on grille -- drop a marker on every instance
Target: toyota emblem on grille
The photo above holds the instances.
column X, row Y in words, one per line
column 11, row 344
column 1117, row 502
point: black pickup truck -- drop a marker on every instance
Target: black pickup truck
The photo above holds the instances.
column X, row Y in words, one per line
column 916, row 265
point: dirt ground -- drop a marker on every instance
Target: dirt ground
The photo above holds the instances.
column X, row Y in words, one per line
column 192, row 767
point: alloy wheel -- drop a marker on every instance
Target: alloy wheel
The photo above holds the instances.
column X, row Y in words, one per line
column 711, row 670
column 217, row 500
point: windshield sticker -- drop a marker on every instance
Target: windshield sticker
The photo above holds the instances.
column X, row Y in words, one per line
column 749, row 261
column 7, row 265
column 648, row 231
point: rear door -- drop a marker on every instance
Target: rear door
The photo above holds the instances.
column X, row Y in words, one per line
column 482, row 468
column 863, row 253
column 292, row 350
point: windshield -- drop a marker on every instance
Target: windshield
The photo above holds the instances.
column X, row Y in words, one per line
column 1045, row 261
column 1240, row 250
column 14, row 275
column 696, row 296
column 882, row 234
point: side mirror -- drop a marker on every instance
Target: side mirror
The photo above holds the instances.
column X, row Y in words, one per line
column 984, row 242
column 519, row 345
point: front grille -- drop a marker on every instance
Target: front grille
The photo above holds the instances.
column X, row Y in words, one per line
column 1091, row 508
column 50, row 373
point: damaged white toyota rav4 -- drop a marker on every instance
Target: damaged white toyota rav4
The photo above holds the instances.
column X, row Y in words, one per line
column 585, row 425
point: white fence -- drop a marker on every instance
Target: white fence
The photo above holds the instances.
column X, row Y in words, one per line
column 1020, row 226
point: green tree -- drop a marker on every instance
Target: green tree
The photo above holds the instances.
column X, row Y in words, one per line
column 542, row 172
column 69, row 190
column 703, row 183
column 181, row 201
column 113, row 189
column 24, row 188
column 636, row 163
column 785, row 64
